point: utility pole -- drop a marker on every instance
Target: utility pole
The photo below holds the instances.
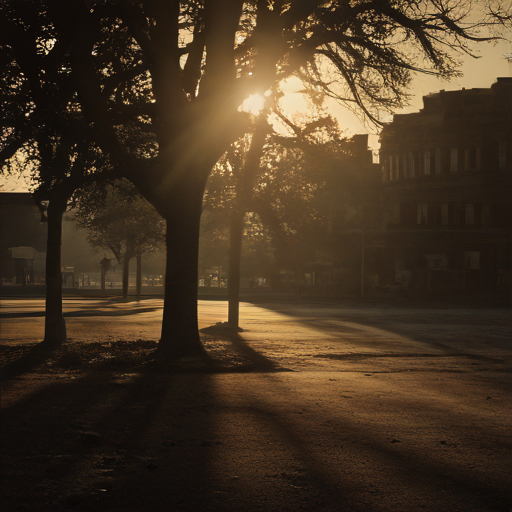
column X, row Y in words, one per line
column 362, row 232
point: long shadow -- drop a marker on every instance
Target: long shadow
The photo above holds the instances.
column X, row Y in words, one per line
column 136, row 439
column 82, row 313
column 108, row 441
column 258, row 362
column 412, row 468
column 330, row 325
column 99, row 309
column 36, row 356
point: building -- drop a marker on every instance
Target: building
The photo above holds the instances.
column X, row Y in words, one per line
column 22, row 240
column 447, row 190
column 350, row 261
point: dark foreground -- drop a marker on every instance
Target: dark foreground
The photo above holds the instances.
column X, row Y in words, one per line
column 332, row 420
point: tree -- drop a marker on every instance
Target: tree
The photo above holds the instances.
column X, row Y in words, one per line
column 178, row 72
column 118, row 218
column 299, row 188
column 244, row 159
column 43, row 128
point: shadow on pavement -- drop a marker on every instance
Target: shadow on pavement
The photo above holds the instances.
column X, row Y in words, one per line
column 108, row 441
column 81, row 313
column 103, row 441
column 259, row 363
column 333, row 323
column 37, row 355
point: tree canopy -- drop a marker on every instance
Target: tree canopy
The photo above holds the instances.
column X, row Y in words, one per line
column 93, row 73
column 152, row 90
column 119, row 219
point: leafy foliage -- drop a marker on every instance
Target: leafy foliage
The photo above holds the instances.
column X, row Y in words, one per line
column 306, row 189
column 104, row 83
column 150, row 90
column 118, row 218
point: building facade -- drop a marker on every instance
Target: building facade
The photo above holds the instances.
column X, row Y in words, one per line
column 22, row 240
column 447, row 191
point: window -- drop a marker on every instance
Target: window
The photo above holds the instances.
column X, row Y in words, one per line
column 502, row 149
column 457, row 215
column 472, row 159
column 391, row 168
column 438, row 160
column 411, row 166
column 437, row 261
column 454, row 160
column 406, row 169
column 426, row 162
column 485, row 218
column 470, row 214
column 387, row 168
column 472, row 260
column 445, row 220
column 422, row 214
column 467, row 160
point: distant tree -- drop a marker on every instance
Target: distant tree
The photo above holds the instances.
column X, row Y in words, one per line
column 307, row 189
column 177, row 72
column 285, row 181
column 118, row 218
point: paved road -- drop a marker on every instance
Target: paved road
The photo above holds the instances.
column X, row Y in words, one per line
column 314, row 336
column 384, row 409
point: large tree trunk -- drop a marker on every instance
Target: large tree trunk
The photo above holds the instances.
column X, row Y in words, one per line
column 55, row 326
column 235, row 256
column 180, row 335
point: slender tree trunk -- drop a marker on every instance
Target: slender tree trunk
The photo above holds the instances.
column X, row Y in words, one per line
column 126, row 272
column 139, row 275
column 244, row 198
column 180, row 335
column 55, row 326
column 235, row 256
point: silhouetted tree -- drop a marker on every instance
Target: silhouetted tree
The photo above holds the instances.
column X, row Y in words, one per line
column 178, row 72
column 43, row 129
column 118, row 218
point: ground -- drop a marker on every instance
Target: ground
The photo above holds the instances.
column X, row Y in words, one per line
column 349, row 407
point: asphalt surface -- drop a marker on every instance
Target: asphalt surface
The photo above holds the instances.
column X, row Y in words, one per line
column 362, row 408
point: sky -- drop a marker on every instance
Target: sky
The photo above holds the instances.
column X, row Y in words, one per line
column 477, row 73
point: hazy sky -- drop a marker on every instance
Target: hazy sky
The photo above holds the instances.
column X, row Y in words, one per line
column 481, row 72
column 477, row 73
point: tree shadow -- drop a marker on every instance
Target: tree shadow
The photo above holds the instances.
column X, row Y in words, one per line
column 83, row 313
column 108, row 438
column 101, row 440
column 257, row 361
column 363, row 454
column 331, row 325
column 36, row 356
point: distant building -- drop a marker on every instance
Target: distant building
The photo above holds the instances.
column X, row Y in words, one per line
column 447, row 191
column 352, row 259
column 22, row 240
